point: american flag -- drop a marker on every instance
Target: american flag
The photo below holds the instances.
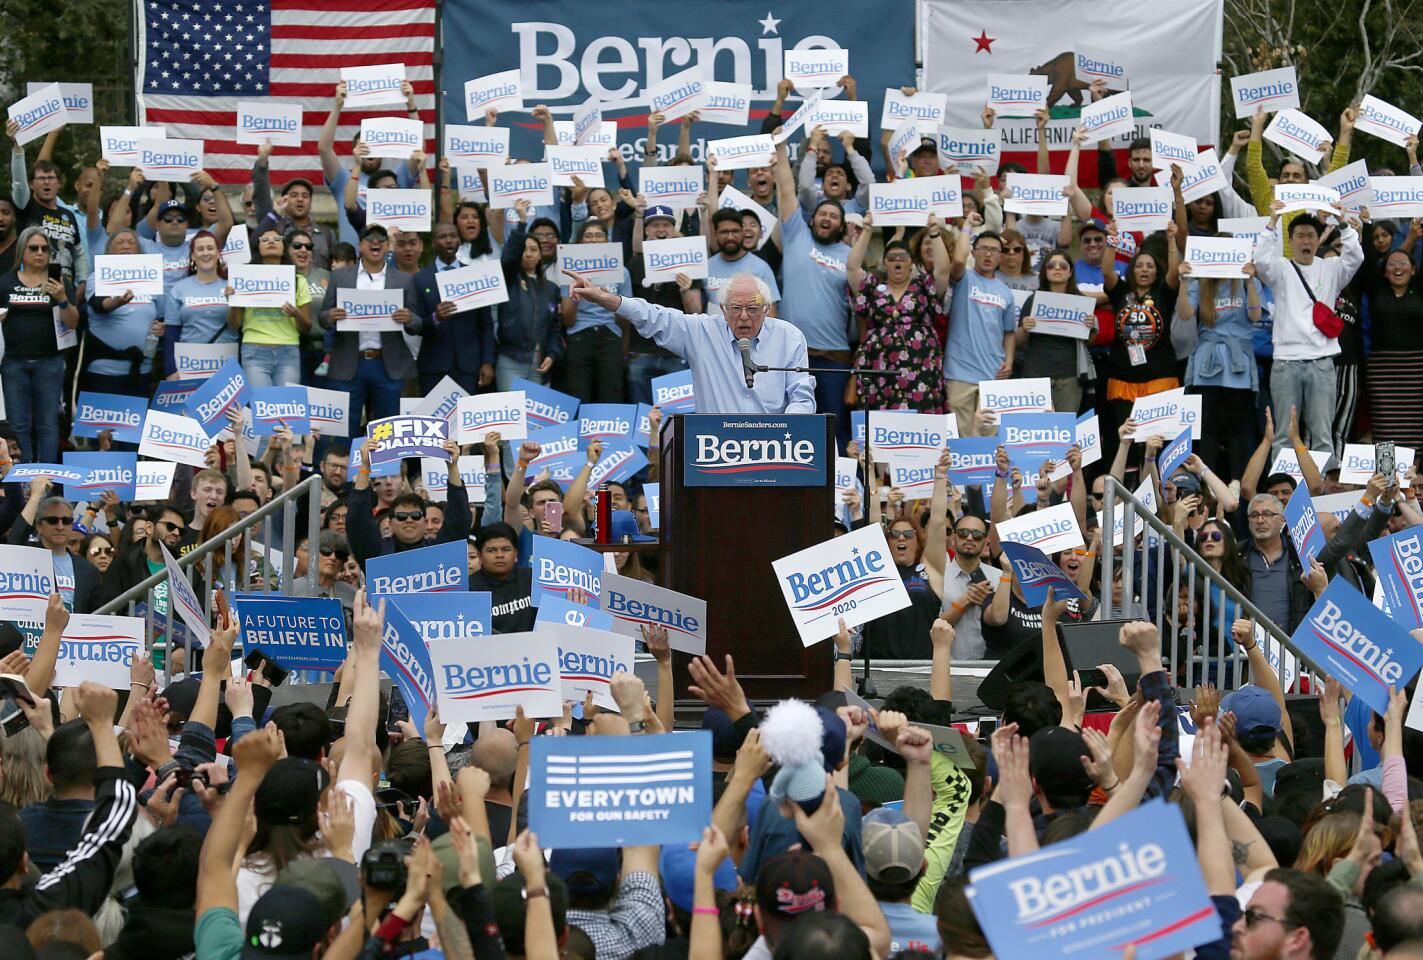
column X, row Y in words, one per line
column 201, row 57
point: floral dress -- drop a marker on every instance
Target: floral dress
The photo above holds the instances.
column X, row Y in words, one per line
column 900, row 333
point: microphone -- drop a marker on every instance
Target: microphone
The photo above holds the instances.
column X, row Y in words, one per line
column 747, row 367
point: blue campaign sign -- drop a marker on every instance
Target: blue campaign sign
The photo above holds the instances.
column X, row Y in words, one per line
column 102, row 471
column 620, row 791
column 554, row 609
column 1398, row 559
column 389, row 468
column 971, row 461
column 123, row 416
column 1134, row 881
column 442, row 568
column 406, row 435
column 406, row 660
column 210, row 402
column 607, row 421
column 299, row 633
column 620, row 462
column 731, row 450
column 566, row 58
column 273, row 407
column 857, row 426
column 172, row 395
column 674, row 393
column 1303, row 523
column 447, row 616
column 543, row 406
column 1174, row 454
column 1042, row 435
column 1036, row 574
column 653, row 493
column 642, row 433
column 562, row 454
column 1358, row 644
column 51, row 471
column 563, row 569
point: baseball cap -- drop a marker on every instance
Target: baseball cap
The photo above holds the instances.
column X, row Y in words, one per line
column 625, row 529
column 297, row 182
column 444, row 850
column 792, row 883
column 678, row 868
column 924, row 144
column 1256, row 712
column 290, row 790
column 586, row 871
column 659, row 211
column 286, row 922
column 168, row 205
column 1093, row 223
column 375, row 228
column 832, row 745
column 1185, row 482
column 1054, row 760
column 893, row 845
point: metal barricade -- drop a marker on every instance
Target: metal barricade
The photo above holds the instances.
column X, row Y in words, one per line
column 266, row 558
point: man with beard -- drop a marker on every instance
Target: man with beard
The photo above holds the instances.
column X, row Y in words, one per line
column 296, row 210
column 968, row 585
column 335, row 172
column 732, row 259
column 143, row 558
column 847, row 182
column 816, row 295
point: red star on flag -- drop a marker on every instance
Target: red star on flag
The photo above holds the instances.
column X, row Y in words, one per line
column 984, row 41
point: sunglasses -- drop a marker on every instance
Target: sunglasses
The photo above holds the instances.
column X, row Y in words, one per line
column 408, row 515
column 972, row 534
column 901, row 534
column 1012, row 249
column 338, row 554
column 1253, row 918
column 303, row 246
column 1212, row 536
column 169, row 525
column 43, row 248
column 60, row 521
column 175, row 218
column 1091, row 240
column 101, row 551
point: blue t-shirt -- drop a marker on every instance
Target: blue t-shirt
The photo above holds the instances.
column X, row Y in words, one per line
column 910, row 930
column 64, row 578
column 817, row 296
column 983, row 310
column 198, row 311
column 1224, row 352
column 175, row 259
column 125, row 327
column 591, row 315
column 721, row 271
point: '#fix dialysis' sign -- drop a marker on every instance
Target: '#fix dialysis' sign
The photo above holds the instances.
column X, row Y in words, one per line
column 1135, row 881
column 121, row 416
column 853, row 577
column 634, row 604
column 406, row 436
column 1399, row 562
column 1357, row 644
column 439, row 569
column 491, row 681
column 753, row 451
column 620, row 791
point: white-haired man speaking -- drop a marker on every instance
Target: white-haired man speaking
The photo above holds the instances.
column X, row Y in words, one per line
column 710, row 343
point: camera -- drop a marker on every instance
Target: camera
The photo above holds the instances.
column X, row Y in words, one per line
column 383, row 866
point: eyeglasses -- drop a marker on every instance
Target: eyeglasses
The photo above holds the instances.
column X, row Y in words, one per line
column 1262, row 514
column 1253, row 917
column 1013, row 249
column 1212, row 536
column 745, row 310
column 297, row 245
column 101, row 551
column 972, row 534
column 60, row 521
column 270, row 238
column 408, row 515
column 992, row 250
column 902, row 534
column 40, row 248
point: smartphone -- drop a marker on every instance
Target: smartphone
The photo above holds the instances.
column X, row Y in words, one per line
column 1092, row 677
column 56, row 272
column 274, row 674
column 553, row 516
column 1385, row 460
column 986, row 726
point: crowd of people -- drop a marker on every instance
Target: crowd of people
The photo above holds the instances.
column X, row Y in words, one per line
column 187, row 817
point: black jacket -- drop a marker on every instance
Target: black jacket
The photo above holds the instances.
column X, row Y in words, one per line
column 86, row 575
column 82, row 881
column 363, row 531
column 461, row 342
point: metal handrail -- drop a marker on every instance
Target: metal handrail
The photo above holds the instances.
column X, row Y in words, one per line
column 1114, row 491
column 261, row 515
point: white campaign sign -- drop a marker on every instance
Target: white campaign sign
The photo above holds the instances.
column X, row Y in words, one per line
column 482, row 414
column 731, row 198
column 852, row 576
column 1049, row 530
column 900, row 203
column 675, row 187
column 812, row 70
column 1109, row 117
column 480, row 284
column 1286, row 461
column 1352, row 183
column 172, row 160
column 399, row 209
column 469, row 146
column 26, row 581
column 198, row 361
column 182, row 599
column 169, row 436
column 153, row 480
column 490, row 680
column 967, row 150
column 1299, row 134
column 78, row 99
column 727, row 103
column 1305, row 196
column 1397, row 198
column 441, row 399
column 1016, row 95
column 1142, row 209
column 1158, row 414
column 678, row 95
column 913, row 479
column 38, row 114
column 140, row 272
column 1205, row 178
column 1218, row 256
column 902, row 435
column 262, row 120
column 497, row 91
column 584, row 161
column 436, row 476
column 1038, row 194
column 945, row 195
column 840, row 116
column 262, row 285
column 920, row 108
column 601, row 263
column 98, row 648
column 1357, row 464
column 1022, row 395
column 588, row 659
column 373, row 86
column 743, row 153
column 520, row 181
column 1146, row 493
column 1383, row 119
column 237, row 249
column 1268, row 90
column 119, row 145
column 635, row 604
column 369, row 311
column 1063, row 314
column 664, row 259
column 1169, row 148
column 330, row 412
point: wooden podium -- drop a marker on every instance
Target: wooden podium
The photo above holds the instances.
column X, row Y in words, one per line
column 718, row 542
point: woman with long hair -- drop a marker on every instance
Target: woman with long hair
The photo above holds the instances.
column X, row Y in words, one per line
column 920, row 553
column 288, row 827
column 1396, row 357
column 271, row 336
column 302, row 249
column 195, row 308
column 529, row 333
column 1016, row 267
column 1222, row 367
column 896, row 311
column 32, row 370
column 1141, row 360
column 98, row 550
column 1062, row 359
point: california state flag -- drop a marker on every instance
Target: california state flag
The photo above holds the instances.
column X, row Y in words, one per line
column 1169, row 50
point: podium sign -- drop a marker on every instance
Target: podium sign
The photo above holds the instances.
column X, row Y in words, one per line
column 755, row 450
